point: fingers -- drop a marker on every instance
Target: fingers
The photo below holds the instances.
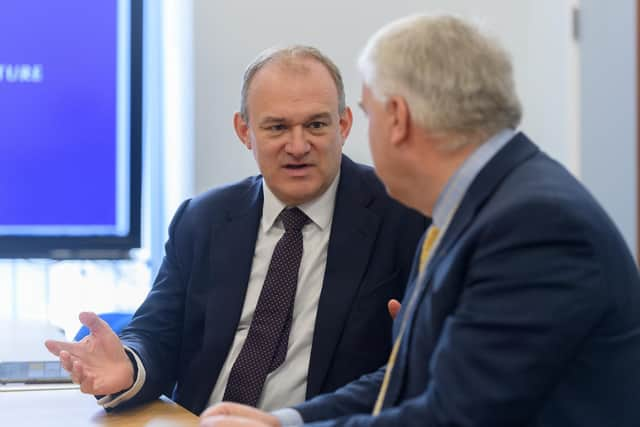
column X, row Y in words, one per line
column 96, row 325
column 53, row 347
column 82, row 378
column 66, row 361
column 56, row 347
column 73, row 365
column 223, row 408
column 230, row 421
column 231, row 408
column 76, row 372
column 228, row 411
column 214, row 421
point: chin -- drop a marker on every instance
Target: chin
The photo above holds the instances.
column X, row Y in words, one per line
column 299, row 197
column 397, row 195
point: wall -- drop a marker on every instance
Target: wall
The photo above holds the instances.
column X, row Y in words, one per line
column 227, row 35
column 608, row 108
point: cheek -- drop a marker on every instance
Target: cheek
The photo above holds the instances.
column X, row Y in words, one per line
column 373, row 146
column 328, row 149
column 265, row 154
column 335, row 154
column 371, row 135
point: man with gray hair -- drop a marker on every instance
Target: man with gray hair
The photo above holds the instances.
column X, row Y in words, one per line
column 522, row 309
column 273, row 289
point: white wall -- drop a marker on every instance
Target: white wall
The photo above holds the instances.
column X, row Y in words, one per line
column 608, row 108
column 229, row 34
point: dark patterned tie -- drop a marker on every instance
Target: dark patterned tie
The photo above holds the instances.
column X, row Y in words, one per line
column 265, row 348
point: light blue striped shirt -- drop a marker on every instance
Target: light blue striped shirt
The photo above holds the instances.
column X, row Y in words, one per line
column 459, row 183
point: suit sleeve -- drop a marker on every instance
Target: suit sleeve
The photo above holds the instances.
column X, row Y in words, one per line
column 356, row 397
column 154, row 333
column 533, row 291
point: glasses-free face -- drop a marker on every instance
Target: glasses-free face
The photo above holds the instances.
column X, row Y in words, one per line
column 294, row 129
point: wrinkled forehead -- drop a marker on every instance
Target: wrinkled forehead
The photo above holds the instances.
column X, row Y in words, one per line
column 292, row 86
column 296, row 67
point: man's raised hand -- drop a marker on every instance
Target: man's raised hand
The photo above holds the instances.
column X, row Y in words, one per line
column 98, row 362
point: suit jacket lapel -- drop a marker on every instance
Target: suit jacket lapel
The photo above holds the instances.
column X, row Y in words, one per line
column 232, row 247
column 353, row 233
column 483, row 186
column 516, row 151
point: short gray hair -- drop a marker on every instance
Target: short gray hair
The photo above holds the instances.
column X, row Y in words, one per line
column 288, row 55
column 454, row 79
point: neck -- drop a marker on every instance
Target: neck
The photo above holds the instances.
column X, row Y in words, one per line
column 437, row 167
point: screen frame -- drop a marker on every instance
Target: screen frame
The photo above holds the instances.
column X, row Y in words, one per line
column 111, row 246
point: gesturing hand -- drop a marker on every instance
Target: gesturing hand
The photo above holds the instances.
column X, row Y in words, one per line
column 98, row 363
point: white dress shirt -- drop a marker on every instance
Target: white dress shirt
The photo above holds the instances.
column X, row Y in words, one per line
column 287, row 385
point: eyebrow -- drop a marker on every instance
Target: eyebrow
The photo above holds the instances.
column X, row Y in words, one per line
column 274, row 119
column 270, row 119
column 323, row 116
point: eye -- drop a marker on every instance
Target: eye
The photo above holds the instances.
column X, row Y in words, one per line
column 317, row 124
column 277, row 127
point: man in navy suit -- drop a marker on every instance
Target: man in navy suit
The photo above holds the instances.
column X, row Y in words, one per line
column 358, row 245
column 523, row 304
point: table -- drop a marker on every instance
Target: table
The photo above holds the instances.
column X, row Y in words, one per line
column 68, row 407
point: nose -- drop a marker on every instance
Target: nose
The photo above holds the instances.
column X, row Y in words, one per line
column 297, row 145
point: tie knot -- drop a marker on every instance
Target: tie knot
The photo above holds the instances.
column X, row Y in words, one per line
column 293, row 219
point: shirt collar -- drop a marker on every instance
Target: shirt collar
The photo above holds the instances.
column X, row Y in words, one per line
column 459, row 183
column 319, row 210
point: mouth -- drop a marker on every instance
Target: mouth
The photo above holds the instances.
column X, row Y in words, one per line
column 297, row 169
column 296, row 166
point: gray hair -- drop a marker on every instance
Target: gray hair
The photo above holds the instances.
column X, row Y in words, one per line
column 288, row 55
column 454, row 79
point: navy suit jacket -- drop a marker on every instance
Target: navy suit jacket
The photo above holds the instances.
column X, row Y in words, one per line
column 529, row 314
column 185, row 328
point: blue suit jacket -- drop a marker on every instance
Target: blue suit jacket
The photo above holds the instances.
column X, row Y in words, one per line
column 185, row 328
column 529, row 314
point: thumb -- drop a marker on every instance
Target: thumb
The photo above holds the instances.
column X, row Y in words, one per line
column 394, row 307
column 96, row 325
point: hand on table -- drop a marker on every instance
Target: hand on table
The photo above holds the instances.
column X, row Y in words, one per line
column 228, row 414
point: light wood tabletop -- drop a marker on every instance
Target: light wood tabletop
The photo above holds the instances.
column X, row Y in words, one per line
column 70, row 408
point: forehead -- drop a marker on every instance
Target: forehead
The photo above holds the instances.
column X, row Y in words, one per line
column 286, row 88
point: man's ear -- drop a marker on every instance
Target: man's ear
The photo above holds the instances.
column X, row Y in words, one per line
column 346, row 121
column 242, row 130
column 400, row 119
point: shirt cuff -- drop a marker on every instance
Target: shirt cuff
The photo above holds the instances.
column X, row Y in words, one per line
column 113, row 400
column 288, row 417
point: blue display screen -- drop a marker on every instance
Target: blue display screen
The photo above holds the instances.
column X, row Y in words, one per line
column 65, row 118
